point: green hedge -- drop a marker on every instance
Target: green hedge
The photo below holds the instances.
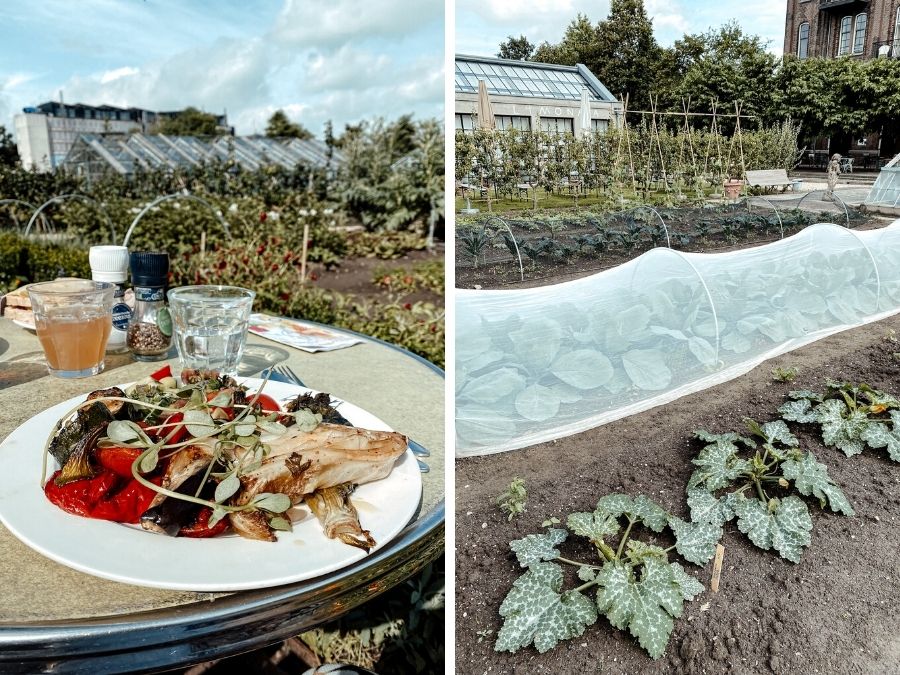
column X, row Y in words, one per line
column 25, row 260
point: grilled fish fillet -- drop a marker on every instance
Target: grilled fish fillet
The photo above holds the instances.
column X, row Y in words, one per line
column 301, row 462
column 338, row 516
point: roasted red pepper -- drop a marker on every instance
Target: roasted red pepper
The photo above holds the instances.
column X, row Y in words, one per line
column 162, row 373
column 200, row 528
column 81, row 496
column 106, row 496
column 118, row 460
column 126, row 505
column 173, row 434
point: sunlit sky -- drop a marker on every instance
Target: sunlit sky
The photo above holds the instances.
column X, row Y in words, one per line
column 342, row 60
column 481, row 25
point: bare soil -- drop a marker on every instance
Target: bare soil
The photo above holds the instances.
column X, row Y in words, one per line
column 356, row 275
column 837, row 611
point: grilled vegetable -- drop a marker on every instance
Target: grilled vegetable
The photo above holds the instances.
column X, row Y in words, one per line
column 68, row 436
column 320, row 404
column 78, row 465
column 113, row 406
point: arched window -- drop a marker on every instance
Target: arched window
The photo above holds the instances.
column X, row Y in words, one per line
column 844, row 42
column 803, row 40
column 859, row 34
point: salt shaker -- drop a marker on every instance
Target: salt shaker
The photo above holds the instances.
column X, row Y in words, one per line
column 150, row 331
column 110, row 263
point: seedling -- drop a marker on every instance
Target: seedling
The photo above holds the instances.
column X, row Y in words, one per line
column 726, row 485
column 637, row 587
column 512, row 501
column 851, row 416
column 780, row 374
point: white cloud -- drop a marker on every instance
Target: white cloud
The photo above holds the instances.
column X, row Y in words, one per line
column 314, row 59
column 118, row 73
column 331, row 23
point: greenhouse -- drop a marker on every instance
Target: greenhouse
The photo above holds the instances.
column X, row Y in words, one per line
column 544, row 363
column 885, row 193
column 93, row 154
column 532, row 96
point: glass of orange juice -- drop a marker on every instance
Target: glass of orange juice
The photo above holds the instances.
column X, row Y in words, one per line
column 73, row 318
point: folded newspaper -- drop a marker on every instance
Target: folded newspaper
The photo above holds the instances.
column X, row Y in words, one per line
column 299, row 334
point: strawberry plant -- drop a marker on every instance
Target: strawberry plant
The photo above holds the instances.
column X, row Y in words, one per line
column 850, row 416
column 754, row 489
column 637, row 587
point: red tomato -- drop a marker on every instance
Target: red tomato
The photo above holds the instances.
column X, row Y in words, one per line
column 118, row 460
column 200, row 528
column 266, row 402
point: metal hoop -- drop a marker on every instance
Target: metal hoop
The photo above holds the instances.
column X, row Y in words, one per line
column 73, row 195
column 175, row 195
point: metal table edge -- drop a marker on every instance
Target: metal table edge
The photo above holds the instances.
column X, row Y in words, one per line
column 175, row 635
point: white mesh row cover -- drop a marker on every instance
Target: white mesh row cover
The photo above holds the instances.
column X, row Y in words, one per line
column 537, row 364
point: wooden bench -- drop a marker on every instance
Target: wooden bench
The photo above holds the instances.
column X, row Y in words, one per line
column 768, row 178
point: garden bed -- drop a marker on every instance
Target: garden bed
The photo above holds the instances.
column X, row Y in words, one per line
column 564, row 245
column 838, row 605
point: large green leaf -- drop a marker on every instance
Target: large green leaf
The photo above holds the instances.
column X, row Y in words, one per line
column 718, row 462
column 811, row 478
column 536, row 611
column 537, row 343
column 878, row 435
column 645, row 607
column 798, row 411
column 649, row 513
column 493, row 386
column 534, row 548
column 537, row 403
column 778, row 431
column 647, row 369
column 781, row 524
column 702, row 350
column 707, row 508
column 842, row 427
column 615, row 504
column 583, row 369
column 695, row 541
column 596, row 526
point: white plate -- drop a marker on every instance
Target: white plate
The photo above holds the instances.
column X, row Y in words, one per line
column 226, row 563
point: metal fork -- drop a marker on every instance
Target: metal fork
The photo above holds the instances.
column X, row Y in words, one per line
column 418, row 450
column 285, row 371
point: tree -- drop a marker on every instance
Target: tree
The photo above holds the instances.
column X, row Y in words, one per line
column 627, row 54
column 723, row 65
column 190, row 122
column 519, row 49
column 9, row 153
column 280, row 126
column 620, row 50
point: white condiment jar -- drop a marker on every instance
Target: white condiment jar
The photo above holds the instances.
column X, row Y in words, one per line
column 110, row 263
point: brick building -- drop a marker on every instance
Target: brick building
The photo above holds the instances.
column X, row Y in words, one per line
column 859, row 29
column 862, row 29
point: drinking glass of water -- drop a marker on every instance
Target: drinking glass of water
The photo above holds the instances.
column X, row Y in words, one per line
column 210, row 325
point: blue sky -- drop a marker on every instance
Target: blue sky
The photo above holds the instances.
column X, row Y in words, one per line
column 481, row 25
column 342, row 60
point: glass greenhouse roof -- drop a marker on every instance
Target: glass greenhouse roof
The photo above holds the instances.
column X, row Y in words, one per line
column 506, row 77
column 125, row 155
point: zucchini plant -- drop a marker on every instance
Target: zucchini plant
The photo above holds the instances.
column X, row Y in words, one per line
column 637, row 587
column 755, row 489
column 850, row 416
